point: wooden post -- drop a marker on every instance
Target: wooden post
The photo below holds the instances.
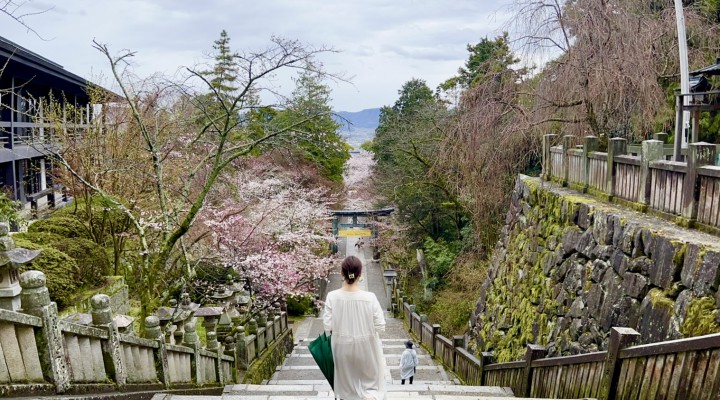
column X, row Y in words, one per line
column 532, row 353
column 485, row 359
column 652, row 150
column 677, row 155
column 616, row 147
column 567, row 140
column 591, row 144
column 548, row 141
column 458, row 343
column 620, row 338
column 699, row 154
column 661, row 136
column 435, row 332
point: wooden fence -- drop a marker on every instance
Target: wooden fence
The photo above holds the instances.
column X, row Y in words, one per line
column 679, row 369
column 686, row 192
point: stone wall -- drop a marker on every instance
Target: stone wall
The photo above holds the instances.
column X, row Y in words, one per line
column 568, row 268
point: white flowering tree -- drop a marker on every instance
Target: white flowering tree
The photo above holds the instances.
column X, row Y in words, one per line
column 274, row 233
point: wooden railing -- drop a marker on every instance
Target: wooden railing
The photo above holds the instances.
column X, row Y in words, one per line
column 685, row 192
column 679, row 369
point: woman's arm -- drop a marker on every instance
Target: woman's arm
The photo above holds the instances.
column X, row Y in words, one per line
column 378, row 317
column 327, row 316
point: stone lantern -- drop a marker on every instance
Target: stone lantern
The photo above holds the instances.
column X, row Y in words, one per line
column 11, row 259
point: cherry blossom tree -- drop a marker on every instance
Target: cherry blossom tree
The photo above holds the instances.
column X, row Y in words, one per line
column 273, row 232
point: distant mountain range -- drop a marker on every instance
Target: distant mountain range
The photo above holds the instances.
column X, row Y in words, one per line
column 358, row 127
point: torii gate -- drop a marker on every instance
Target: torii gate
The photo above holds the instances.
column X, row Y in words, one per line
column 348, row 229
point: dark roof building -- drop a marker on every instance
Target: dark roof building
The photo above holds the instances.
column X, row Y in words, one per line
column 28, row 83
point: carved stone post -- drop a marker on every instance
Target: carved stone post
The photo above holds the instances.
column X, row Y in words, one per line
column 153, row 331
column 652, row 150
column 532, row 353
column 102, row 318
column 619, row 339
column 699, row 154
column 616, row 147
column 35, row 300
column 190, row 339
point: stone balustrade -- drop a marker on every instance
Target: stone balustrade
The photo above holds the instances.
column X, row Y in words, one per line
column 43, row 355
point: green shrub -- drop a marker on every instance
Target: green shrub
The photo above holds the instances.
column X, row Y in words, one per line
column 300, row 305
column 92, row 260
column 60, row 270
column 68, row 227
column 41, row 238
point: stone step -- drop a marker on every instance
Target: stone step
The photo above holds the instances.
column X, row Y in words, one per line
column 390, row 360
column 290, row 382
column 387, row 349
column 329, row 396
column 306, row 390
column 423, row 373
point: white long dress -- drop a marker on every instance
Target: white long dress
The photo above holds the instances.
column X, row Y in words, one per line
column 355, row 318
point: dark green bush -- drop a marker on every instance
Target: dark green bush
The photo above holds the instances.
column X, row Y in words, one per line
column 68, row 227
column 300, row 305
column 60, row 270
column 92, row 260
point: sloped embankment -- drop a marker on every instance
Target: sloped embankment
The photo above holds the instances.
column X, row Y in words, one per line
column 568, row 268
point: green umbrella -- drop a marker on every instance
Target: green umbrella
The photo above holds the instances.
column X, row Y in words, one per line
column 321, row 351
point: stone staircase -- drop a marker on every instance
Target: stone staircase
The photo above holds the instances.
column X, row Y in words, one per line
column 299, row 378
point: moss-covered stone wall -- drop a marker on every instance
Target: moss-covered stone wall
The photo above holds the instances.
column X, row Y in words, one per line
column 264, row 366
column 569, row 267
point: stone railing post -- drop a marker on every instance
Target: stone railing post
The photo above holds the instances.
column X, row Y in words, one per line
column 241, row 349
column 591, row 144
column 619, row 339
column 652, row 150
column 567, row 145
column 102, row 317
column 35, row 300
column 699, row 154
column 548, row 140
column 154, row 332
column 616, row 147
column 532, row 353
column 252, row 329
column 190, row 339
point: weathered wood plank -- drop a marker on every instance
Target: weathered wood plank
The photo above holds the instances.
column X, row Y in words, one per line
column 637, row 377
column 686, row 375
column 715, row 212
column 698, row 374
column 646, row 377
column 656, row 379
column 711, row 376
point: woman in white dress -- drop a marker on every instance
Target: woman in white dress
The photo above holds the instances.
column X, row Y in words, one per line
column 354, row 317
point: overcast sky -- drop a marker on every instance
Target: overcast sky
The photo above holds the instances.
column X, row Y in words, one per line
column 383, row 43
